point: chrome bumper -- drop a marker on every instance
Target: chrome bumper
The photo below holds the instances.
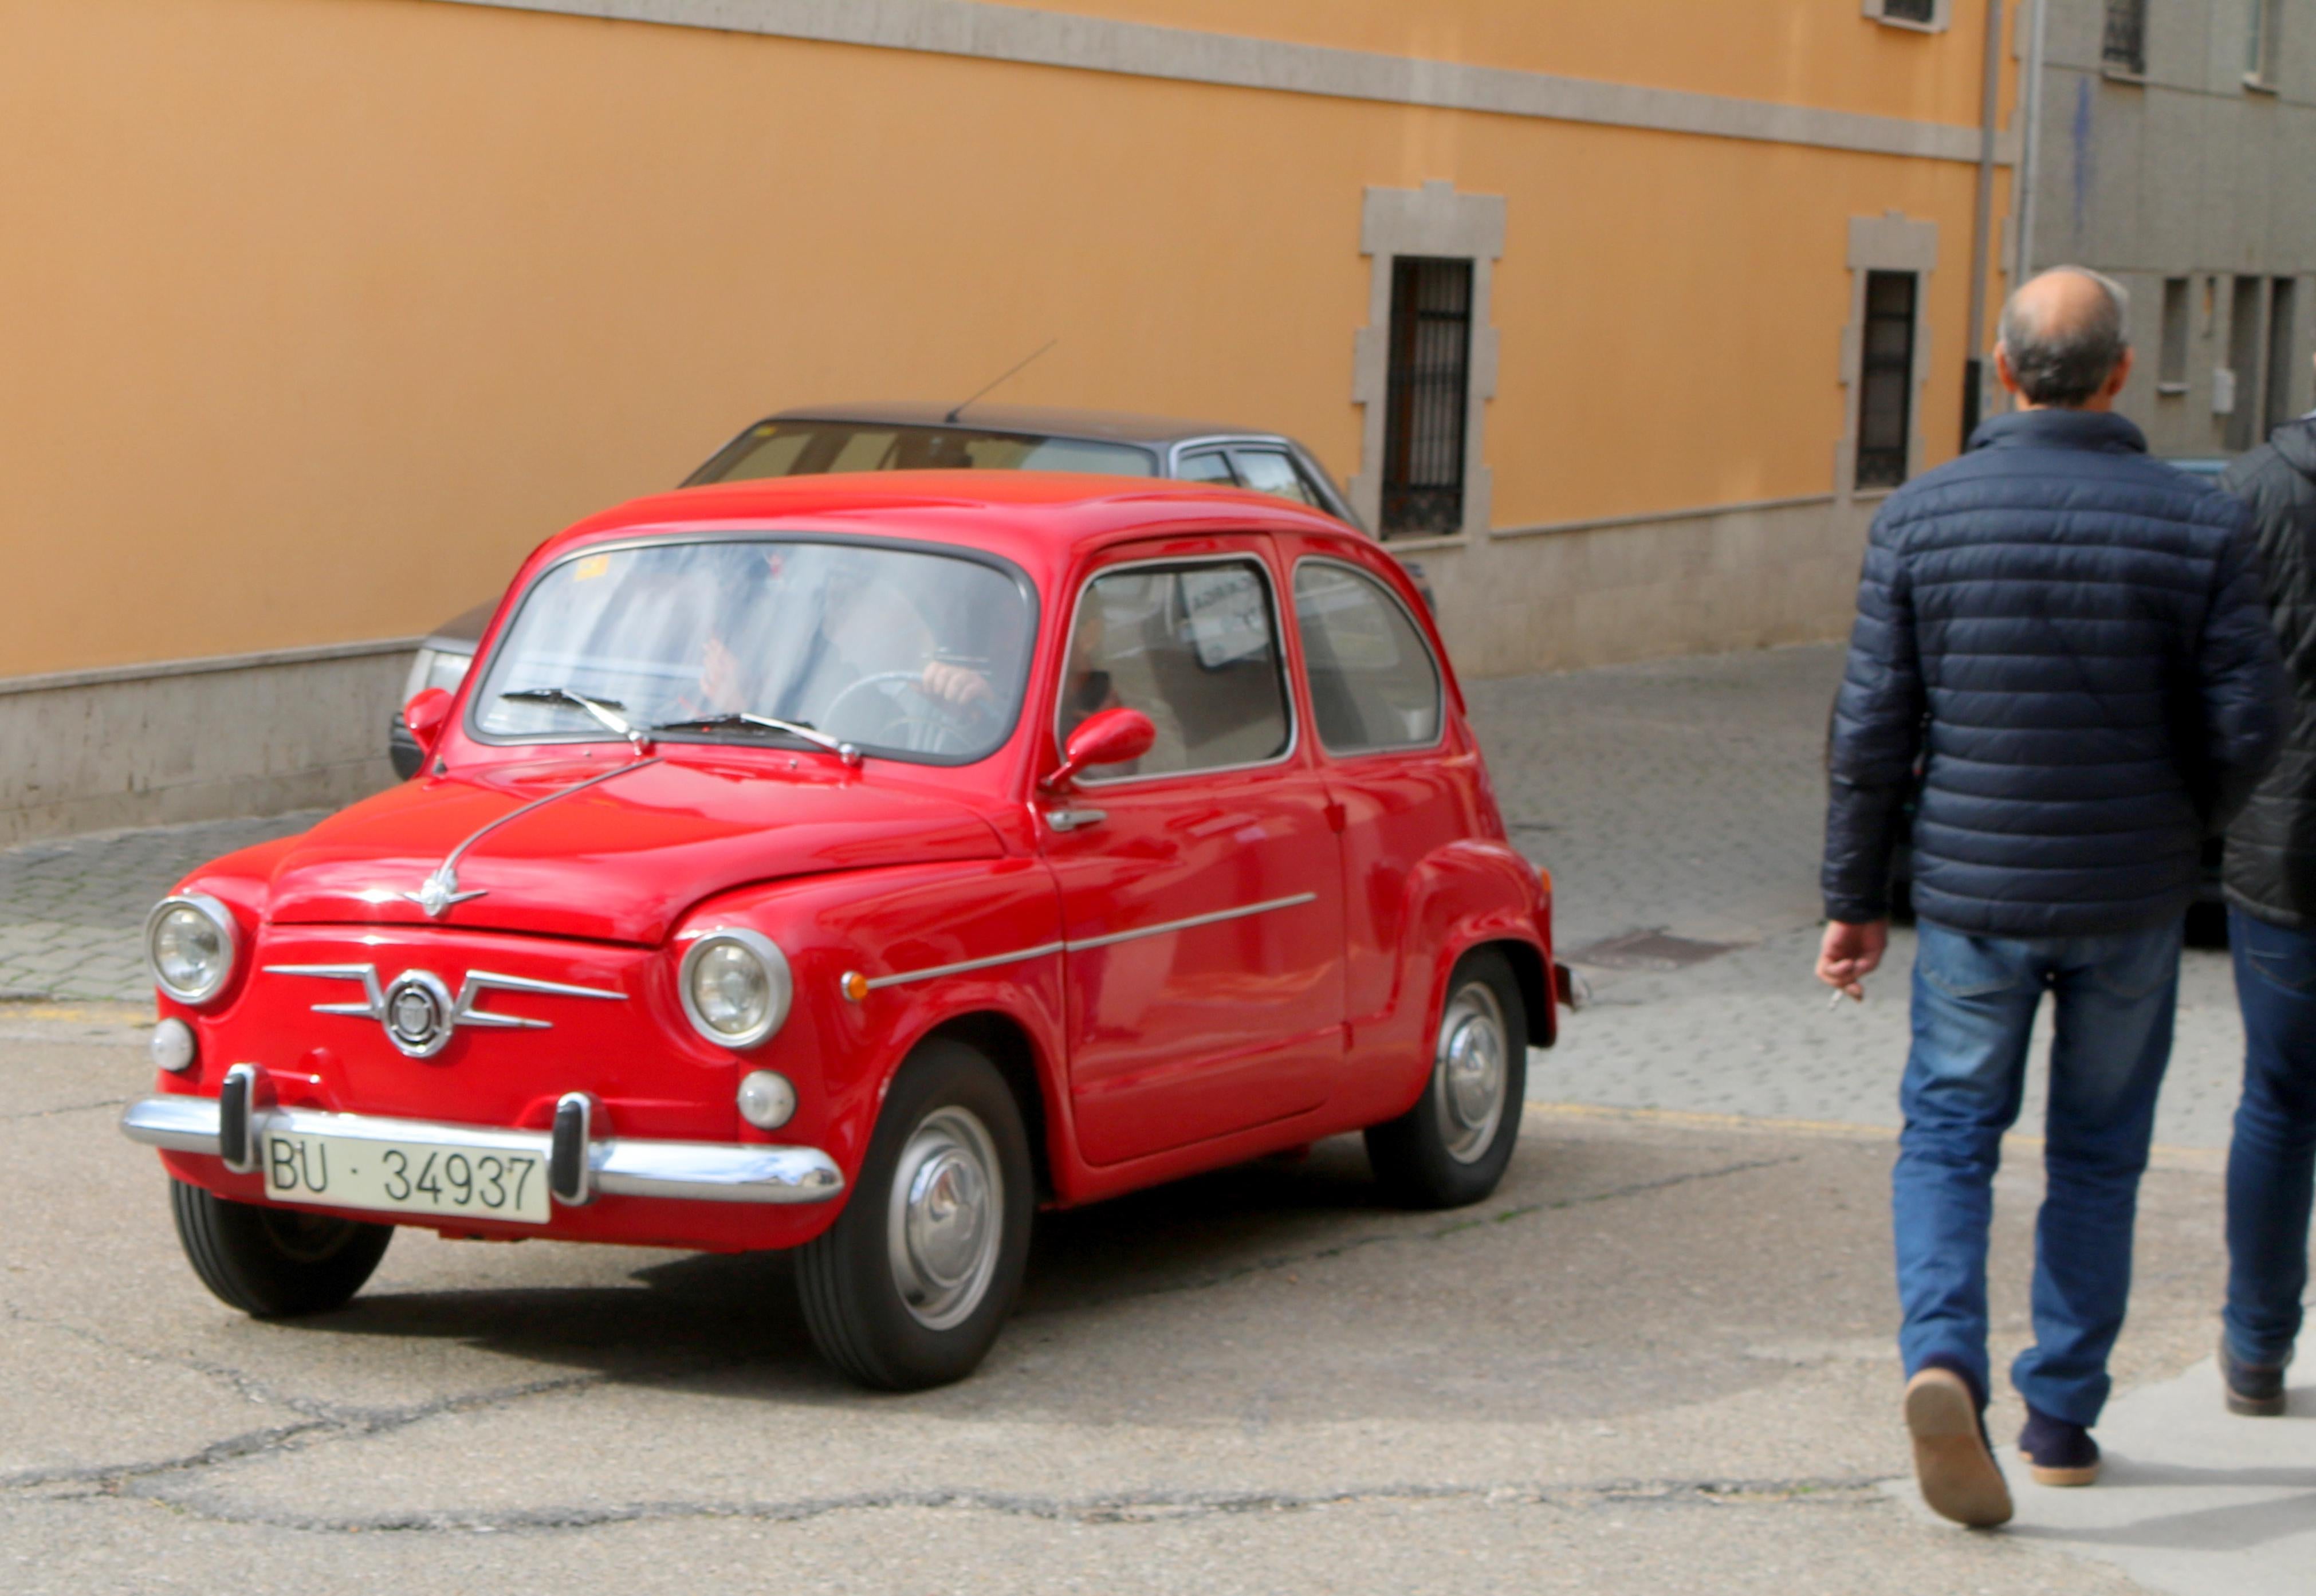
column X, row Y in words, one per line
column 701, row 1171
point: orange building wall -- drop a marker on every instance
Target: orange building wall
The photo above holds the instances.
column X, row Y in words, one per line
column 315, row 314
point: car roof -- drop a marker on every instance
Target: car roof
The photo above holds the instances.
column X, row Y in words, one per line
column 1032, row 517
column 1106, row 426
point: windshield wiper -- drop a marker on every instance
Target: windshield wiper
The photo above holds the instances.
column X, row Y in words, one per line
column 606, row 710
column 793, row 728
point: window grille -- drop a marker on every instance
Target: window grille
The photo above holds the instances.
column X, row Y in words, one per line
column 1885, row 395
column 1426, row 396
column 2125, row 47
column 1910, row 11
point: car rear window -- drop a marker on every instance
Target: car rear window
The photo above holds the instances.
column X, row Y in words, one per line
column 811, row 448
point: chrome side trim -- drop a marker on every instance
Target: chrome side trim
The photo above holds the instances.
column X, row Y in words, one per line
column 440, row 890
column 964, row 965
column 1217, row 918
column 700, row 1171
column 1085, row 944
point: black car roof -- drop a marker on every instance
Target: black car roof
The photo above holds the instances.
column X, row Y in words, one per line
column 1107, row 426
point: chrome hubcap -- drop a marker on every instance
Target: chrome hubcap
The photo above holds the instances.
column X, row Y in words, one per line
column 1472, row 1072
column 947, row 1209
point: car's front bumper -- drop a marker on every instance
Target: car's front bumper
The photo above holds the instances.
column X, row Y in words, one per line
column 232, row 1127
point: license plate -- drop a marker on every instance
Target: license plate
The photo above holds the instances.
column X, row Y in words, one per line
column 398, row 1178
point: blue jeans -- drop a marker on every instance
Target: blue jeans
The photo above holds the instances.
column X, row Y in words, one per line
column 2272, row 1162
column 1975, row 1002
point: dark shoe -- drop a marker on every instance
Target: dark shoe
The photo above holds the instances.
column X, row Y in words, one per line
column 1952, row 1461
column 2255, row 1390
column 2058, row 1453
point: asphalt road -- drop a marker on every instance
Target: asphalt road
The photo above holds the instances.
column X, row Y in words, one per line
column 1658, row 1360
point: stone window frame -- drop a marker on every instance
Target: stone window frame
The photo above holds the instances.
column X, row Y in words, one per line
column 1941, row 16
column 1892, row 242
column 1438, row 222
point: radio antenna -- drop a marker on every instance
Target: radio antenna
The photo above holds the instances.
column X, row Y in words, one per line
column 1008, row 376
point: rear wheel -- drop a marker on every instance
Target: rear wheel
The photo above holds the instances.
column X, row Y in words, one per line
column 910, row 1286
column 1453, row 1147
column 274, row 1264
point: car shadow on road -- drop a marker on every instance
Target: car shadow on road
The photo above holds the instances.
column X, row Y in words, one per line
column 730, row 1325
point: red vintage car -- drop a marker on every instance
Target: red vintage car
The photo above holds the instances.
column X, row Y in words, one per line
column 856, row 865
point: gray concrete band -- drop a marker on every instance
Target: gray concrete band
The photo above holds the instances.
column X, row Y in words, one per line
column 1011, row 33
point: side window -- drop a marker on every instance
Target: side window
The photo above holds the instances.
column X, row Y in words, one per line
column 1211, row 465
column 1269, row 471
column 1195, row 648
column 1373, row 682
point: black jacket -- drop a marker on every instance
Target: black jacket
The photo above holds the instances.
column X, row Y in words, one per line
column 2271, row 867
column 2071, row 637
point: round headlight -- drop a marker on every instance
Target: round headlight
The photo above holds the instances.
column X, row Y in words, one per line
column 189, row 945
column 735, row 987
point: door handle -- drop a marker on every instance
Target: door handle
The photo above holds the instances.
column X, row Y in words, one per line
column 1072, row 819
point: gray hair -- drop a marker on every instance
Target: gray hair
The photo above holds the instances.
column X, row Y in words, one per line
column 2061, row 362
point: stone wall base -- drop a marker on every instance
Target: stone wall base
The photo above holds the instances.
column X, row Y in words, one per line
column 203, row 740
column 1607, row 593
column 210, row 739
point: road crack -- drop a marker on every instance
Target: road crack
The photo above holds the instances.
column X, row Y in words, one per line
column 1117, row 1508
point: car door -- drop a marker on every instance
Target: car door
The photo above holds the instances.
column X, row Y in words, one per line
column 1201, row 886
column 1406, row 784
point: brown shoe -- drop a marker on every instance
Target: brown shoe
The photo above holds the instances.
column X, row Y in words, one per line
column 1952, row 1461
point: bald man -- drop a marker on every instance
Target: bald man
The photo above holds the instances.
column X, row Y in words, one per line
column 2067, row 639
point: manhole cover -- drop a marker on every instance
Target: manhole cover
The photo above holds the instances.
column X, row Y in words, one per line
column 1647, row 950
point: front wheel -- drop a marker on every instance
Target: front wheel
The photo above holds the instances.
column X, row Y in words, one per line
column 1453, row 1147
column 910, row 1286
column 274, row 1264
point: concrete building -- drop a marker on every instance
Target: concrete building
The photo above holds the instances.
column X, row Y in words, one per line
column 320, row 313
column 2175, row 148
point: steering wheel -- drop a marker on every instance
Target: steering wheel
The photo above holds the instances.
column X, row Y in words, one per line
column 932, row 725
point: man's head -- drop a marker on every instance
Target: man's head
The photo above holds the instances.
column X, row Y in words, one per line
column 2063, row 341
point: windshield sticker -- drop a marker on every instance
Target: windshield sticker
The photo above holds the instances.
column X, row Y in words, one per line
column 592, row 566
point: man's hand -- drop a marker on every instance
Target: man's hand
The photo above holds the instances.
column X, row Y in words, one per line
column 956, row 684
column 1849, row 954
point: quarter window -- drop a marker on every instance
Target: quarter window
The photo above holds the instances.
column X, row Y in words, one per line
column 1373, row 682
column 1269, row 471
column 1194, row 647
column 1212, row 466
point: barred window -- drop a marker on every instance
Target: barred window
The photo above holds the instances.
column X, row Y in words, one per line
column 2125, row 45
column 1885, row 388
column 1427, row 394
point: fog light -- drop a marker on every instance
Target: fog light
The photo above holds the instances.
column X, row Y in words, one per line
column 767, row 1100
column 173, row 1046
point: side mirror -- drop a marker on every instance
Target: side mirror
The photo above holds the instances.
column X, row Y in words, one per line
column 1105, row 737
column 426, row 715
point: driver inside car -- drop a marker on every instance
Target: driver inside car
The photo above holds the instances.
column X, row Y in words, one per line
column 873, row 663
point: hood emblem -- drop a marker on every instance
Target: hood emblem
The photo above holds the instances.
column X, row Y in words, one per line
column 416, row 1008
column 439, row 891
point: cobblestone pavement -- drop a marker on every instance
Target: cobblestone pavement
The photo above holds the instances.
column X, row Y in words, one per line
column 1687, row 796
column 71, row 911
column 1683, row 796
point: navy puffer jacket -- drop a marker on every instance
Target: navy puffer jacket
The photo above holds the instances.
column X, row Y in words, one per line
column 2070, row 636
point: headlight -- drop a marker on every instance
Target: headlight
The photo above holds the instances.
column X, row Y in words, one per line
column 189, row 945
column 735, row 987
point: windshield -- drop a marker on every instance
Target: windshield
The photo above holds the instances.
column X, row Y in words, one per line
column 908, row 654
column 807, row 448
